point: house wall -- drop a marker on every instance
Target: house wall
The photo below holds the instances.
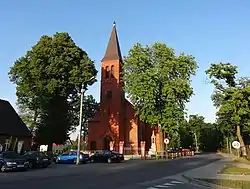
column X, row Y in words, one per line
column 131, row 127
column 145, row 131
column 94, row 135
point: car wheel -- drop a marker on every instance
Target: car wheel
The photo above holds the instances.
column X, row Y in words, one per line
column 109, row 160
column 3, row 168
column 45, row 166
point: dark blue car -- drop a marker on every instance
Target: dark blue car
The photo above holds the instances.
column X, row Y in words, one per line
column 70, row 157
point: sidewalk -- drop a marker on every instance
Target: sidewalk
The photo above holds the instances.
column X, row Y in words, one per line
column 211, row 171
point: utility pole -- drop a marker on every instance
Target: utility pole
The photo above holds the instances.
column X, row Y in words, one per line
column 80, row 126
column 83, row 89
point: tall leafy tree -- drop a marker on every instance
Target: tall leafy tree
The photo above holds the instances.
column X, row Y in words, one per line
column 211, row 138
column 158, row 83
column 186, row 136
column 90, row 106
column 232, row 98
column 48, row 78
column 196, row 123
column 28, row 116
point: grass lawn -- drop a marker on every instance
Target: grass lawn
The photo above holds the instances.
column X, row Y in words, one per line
column 241, row 160
column 237, row 184
column 230, row 169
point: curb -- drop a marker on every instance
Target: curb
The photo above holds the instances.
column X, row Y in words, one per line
column 203, row 183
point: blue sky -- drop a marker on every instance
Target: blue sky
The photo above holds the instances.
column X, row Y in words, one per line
column 210, row 30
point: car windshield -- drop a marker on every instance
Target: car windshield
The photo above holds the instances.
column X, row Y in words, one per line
column 10, row 155
column 73, row 153
column 65, row 154
column 29, row 153
column 42, row 154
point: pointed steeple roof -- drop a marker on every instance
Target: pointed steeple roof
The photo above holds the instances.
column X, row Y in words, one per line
column 113, row 51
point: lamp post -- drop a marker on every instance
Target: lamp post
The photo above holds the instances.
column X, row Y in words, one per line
column 83, row 89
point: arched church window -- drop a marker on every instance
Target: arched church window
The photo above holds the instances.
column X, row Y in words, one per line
column 113, row 71
column 107, row 71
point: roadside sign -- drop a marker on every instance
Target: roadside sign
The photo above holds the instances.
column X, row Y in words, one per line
column 236, row 144
column 166, row 141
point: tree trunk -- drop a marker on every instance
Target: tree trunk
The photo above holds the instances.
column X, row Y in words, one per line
column 161, row 140
column 227, row 139
column 242, row 144
column 196, row 142
column 230, row 144
column 248, row 151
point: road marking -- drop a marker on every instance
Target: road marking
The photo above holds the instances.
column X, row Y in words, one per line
column 168, row 184
column 161, row 186
column 176, row 182
column 152, row 188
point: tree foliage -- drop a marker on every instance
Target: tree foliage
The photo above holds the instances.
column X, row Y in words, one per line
column 233, row 94
column 196, row 123
column 48, row 78
column 209, row 136
column 90, row 107
column 158, row 83
column 232, row 97
column 186, row 136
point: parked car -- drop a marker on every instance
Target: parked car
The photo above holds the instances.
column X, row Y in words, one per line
column 37, row 159
column 71, row 157
column 11, row 161
column 106, row 156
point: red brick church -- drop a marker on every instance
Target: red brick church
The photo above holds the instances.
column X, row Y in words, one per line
column 115, row 123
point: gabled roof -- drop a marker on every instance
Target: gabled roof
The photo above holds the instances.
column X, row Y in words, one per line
column 10, row 122
column 113, row 51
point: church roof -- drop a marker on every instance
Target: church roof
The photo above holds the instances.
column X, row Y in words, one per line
column 10, row 123
column 113, row 51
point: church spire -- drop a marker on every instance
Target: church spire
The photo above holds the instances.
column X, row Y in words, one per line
column 113, row 51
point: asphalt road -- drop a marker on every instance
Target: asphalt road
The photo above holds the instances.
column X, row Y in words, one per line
column 135, row 174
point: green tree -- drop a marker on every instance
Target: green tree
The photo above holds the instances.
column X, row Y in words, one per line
column 211, row 138
column 49, row 78
column 186, row 136
column 196, row 123
column 28, row 115
column 90, row 106
column 158, row 83
column 234, row 99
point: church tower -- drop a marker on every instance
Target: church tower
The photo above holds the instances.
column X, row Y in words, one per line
column 115, row 124
column 112, row 93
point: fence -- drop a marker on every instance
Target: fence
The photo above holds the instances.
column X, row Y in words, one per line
column 134, row 153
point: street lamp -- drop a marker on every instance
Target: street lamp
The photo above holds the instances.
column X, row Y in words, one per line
column 83, row 89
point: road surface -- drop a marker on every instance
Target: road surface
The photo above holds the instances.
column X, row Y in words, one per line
column 135, row 174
